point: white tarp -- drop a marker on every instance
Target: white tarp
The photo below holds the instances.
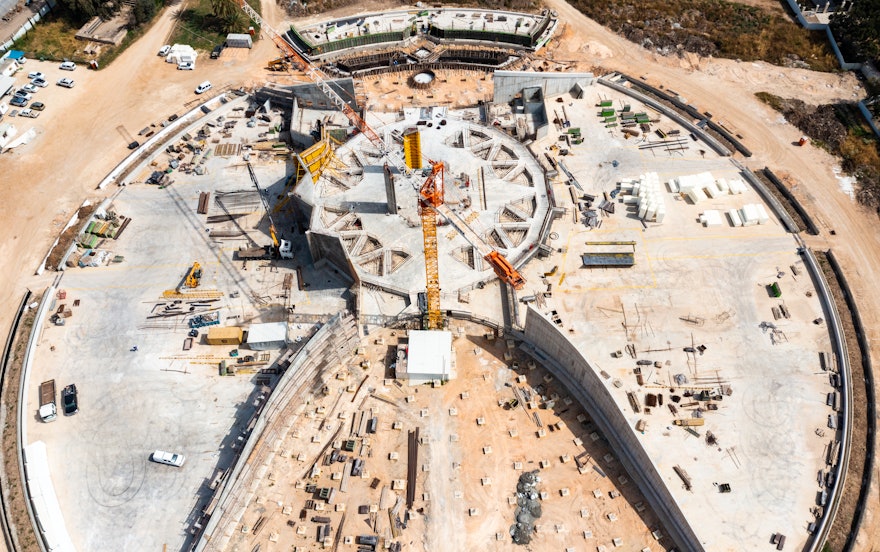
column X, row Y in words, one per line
column 180, row 53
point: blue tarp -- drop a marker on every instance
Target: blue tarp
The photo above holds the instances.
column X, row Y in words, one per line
column 15, row 54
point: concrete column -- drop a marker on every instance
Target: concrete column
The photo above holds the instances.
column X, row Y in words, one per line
column 391, row 196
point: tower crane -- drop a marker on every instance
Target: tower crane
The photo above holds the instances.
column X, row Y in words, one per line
column 282, row 248
column 431, row 200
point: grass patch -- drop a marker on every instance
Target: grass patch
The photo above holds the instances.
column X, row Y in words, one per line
column 53, row 38
column 200, row 28
column 840, row 129
column 714, row 28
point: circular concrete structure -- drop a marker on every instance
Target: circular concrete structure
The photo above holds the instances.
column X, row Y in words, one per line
column 422, row 80
column 492, row 181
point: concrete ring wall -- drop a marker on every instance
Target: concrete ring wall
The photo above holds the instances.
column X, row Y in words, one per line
column 142, row 154
column 704, row 136
column 872, row 407
column 335, row 341
column 23, row 416
column 10, row 538
column 570, row 366
column 838, row 342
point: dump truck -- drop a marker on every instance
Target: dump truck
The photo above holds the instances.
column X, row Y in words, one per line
column 48, row 410
column 690, row 422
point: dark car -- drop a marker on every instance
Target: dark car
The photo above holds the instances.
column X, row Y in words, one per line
column 18, row 101
column 38, row 106
column 218, row 49
column 68, row 400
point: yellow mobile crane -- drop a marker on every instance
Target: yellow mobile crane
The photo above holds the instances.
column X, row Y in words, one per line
column 281, row 247
column 502, row 267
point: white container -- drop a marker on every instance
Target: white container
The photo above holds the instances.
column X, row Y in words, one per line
column 735, row 219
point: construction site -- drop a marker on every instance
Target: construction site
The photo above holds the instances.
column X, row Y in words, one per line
column 559, row 315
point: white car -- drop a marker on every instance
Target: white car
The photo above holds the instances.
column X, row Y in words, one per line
column 204, row 87
column 40, row 82
column 36, row 75
column 170, row 458
column 29, row 88
column 65, row 82
column 186, row 66
column 29, row 113
column 163, row 51
column 68, row 66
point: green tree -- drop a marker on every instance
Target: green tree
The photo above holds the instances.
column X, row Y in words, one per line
column 91, row 8
column 860, row 26
column 228, row 12
column 142, row 12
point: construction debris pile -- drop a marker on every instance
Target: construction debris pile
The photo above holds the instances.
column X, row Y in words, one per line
column 528, row 508
column 107, row 225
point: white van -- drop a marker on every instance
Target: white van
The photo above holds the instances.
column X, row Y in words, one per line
column 204, row 87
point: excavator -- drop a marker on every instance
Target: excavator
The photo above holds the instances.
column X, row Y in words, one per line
column 193, row 277
column 278, row 64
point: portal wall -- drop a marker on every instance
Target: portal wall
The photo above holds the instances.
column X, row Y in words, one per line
column 569, row 365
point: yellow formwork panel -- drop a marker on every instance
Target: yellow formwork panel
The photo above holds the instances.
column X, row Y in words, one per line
column 412, row 148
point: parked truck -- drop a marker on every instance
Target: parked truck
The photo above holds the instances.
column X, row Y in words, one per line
column 48, row 410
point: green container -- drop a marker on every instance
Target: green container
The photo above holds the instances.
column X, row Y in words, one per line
column 222, row 367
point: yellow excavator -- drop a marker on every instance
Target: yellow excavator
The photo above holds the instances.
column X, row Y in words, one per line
column 278, row 64
column 194, row 276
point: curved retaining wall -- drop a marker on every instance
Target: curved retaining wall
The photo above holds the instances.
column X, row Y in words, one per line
column 331, row 346
column 862, row 338
column 838, row 342
column 716, row 146
column 575, row 372
column 24, row 415
column 795, row 204
column 693, row 112
column 9, row 537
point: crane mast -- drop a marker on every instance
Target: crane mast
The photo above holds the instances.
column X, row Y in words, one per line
column 431, row 197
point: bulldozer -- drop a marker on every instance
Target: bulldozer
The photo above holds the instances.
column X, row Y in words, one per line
column 278, row 64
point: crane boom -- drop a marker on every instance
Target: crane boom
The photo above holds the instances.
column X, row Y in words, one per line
column 283, row 248
column 320, row 79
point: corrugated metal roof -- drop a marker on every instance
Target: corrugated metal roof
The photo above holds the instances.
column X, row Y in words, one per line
column 591, row 260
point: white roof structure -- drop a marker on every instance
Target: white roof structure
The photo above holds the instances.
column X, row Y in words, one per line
column 430, row 355
column 270, row 335
column 6, row 84
column 7, row 133
column 180, row 53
